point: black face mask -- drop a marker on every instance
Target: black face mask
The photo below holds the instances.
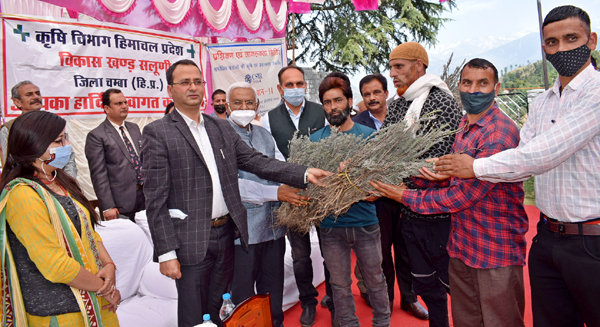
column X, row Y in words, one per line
column 568, row 63
column 219, row 108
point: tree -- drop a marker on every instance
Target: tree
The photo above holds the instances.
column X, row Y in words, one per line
column 596, row 56
column 452, row 78
column 337, row 38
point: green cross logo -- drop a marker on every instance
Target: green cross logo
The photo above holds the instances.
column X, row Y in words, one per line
column 19, row 30
column 191, row 50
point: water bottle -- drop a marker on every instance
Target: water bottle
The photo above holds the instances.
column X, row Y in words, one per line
column 227, row 307
column 207, row 322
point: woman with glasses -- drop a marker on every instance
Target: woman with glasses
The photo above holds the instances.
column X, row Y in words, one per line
column 55, row 269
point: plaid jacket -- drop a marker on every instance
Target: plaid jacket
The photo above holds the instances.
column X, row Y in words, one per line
column 176, row 177
column 489, row 221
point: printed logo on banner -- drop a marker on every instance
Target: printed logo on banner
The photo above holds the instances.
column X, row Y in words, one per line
column 73, row 63
column 256, row 64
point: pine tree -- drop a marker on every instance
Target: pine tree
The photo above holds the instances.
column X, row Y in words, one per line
column 336, row 37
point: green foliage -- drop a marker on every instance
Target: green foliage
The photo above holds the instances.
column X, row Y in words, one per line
column 596, row 55
column 336, row 37
column 390, row 155
column 528, row 187
column 531, row 75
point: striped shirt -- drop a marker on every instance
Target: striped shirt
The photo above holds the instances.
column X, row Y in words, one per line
column 488, row 219
column 560, row 145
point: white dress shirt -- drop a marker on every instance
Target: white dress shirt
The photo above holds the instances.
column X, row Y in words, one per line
column 219, row 208
column 295, row 118
column 118, row 128
column 560, row 145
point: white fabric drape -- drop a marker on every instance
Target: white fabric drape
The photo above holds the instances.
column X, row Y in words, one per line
column 33, row 7
column 278, row 18
column 251, row 19
column 218, row 19
column 173, row 13
column 118, row 6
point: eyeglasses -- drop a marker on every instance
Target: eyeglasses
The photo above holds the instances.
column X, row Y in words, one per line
column 250, row 104
column 64, row 140
column 187, row 83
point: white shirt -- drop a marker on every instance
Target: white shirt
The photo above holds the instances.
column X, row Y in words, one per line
column 219, row 208
column 376, row 121
column 295, row 118
column 257, row 193
column 118, row 128
column 560, row 144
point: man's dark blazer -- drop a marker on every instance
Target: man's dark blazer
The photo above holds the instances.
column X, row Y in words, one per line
column 111, row 165
column 364, row 118
column 176, row 177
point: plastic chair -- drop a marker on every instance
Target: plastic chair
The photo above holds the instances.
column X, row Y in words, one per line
column 252, row 312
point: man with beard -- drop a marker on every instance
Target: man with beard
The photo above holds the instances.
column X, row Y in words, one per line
column 487, row 244
column 27, row 97
column 425, row 236
column 260, row 268
column 357, row 229
column 374, row 91
column 191, row 163
column 559, row 145
column 219, row 103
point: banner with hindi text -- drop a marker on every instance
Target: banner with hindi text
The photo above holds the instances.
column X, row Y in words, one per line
column 255, row 63
column 73, row 63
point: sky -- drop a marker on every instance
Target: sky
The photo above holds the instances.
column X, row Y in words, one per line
column 513, row 18
column 498, row 21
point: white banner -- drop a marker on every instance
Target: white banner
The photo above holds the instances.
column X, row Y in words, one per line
column 73, row 63
column 255, row 63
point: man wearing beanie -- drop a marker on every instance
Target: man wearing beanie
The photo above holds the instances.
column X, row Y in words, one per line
column 426, row 236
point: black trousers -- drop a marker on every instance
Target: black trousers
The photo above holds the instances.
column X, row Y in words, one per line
column 303, row 270
column 396, row 266
column 565, row 279
column 426, row 244
column 262, row 265
column 201, row 287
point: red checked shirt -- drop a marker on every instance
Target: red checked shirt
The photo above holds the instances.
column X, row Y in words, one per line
column 488, row 219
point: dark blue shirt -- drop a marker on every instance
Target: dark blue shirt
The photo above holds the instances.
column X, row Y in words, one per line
column 361, row 213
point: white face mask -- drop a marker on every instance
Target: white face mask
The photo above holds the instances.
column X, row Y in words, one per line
column 242, row 117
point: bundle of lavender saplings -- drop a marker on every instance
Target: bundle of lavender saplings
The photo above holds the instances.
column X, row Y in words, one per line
column 390, row 155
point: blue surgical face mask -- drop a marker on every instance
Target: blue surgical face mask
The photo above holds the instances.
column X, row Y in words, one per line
column 476, row 103
column 294, row 96
column 59, row 157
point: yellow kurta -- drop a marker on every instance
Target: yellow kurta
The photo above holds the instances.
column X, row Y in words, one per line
column 27, row 216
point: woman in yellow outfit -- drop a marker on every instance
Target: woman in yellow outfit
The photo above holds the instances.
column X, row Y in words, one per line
column 55, row 269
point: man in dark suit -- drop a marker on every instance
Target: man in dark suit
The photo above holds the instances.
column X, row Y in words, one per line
column 113, row 153
column 190, row 164
column 374, row 91
column 296, row 113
